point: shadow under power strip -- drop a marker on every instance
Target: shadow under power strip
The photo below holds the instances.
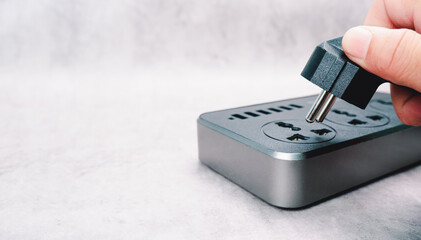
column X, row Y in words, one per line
column 271, row 151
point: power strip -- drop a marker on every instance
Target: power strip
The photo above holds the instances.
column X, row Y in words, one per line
column 271, row 151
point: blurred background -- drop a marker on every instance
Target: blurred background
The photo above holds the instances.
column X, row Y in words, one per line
column 98, row 103
column 212, row 54
column 150, row 33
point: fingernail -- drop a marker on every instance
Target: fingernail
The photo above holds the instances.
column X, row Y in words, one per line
column 356, row 42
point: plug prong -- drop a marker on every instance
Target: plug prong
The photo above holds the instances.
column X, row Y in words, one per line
column 321, row 107
column 326, row 108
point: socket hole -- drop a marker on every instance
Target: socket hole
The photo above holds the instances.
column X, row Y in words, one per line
column 322, row 131
column 275, row 110
column 356, row 122
column 297, row 137
column 384, row 102
column 252, row 114
column 264, row 112
column 231, row 118
column 296, row 106
column 288, row 125
column 238, row 116
column 286, row 108
column 375, row 117
column 343, row 113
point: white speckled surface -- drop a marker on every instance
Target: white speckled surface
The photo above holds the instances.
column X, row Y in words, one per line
column 98, row 102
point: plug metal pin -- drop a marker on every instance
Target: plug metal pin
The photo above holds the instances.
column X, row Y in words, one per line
column 321, row 107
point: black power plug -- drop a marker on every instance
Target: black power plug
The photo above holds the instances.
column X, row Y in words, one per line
column 330, row 69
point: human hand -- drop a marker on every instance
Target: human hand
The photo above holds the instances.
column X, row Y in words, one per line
column 389, row 45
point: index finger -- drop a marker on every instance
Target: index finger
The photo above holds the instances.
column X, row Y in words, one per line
column 395, row 14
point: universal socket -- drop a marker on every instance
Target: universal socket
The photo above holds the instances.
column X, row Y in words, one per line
column 351, row 117
column 271, row 152
column 298, row 131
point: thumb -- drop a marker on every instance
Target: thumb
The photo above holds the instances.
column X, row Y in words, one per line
column 392, row 54
column 395, row 55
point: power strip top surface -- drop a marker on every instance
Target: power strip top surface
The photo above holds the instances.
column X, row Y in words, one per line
column 278, row 129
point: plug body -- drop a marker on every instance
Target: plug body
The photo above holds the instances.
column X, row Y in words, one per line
column 330, row 69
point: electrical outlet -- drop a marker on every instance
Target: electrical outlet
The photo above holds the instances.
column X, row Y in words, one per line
column 271, row 151
column 298, row 131
column 382, row 104
column 357, row 117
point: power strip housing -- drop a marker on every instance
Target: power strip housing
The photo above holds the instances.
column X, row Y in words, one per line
column 269, row 149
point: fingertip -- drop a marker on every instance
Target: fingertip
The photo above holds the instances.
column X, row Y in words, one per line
column 412, row 111
column 407, row 104
column 356, row 43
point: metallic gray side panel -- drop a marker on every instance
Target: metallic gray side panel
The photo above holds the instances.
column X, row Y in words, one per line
column 296, row 183
column 271, row 179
